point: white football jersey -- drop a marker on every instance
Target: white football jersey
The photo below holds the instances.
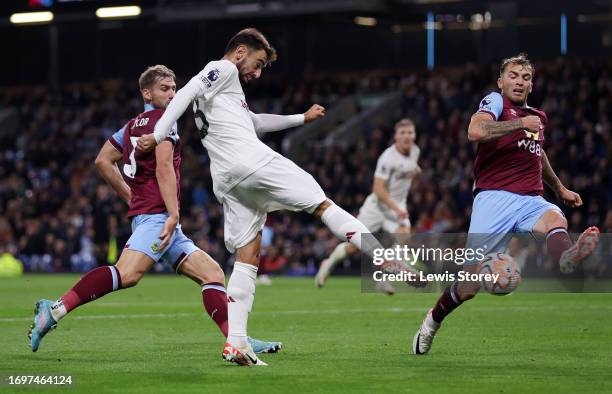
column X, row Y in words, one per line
column 226, row 128
column 398, row 171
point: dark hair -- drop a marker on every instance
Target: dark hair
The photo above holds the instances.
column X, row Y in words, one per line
column 253, row 39
column 153, row 74
column 520, row 59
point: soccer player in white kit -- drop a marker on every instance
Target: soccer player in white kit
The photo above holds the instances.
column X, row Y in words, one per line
column 249, row 178
column 385, row 208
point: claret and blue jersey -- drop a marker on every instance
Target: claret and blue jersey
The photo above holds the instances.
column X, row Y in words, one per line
column 147, row 207
column 513, row 162
column 139, row 167
column 508, row 179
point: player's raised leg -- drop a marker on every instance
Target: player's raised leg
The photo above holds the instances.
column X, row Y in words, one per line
column 346, row 227
column 130, row 268
column 340, row 253
column 558, row 243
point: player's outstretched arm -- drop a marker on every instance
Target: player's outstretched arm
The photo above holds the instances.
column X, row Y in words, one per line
column 166, row 179
column 106, row 163
column 183, row 98
column 551, row 179
column 483, row 128
column 266, row 123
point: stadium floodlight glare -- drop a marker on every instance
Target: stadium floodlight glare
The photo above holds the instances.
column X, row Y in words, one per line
column 365, row 21
column 118, row 12
column 31, row 17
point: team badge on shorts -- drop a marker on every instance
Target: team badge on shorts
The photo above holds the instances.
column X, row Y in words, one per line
column 155, row 247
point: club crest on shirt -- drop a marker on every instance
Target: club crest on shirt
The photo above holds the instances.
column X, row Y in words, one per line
column 532, row 135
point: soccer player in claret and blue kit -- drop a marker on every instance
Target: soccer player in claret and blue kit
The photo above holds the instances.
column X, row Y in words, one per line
column 510, row 169
column 149, row 183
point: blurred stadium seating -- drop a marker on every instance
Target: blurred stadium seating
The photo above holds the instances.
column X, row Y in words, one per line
column 58, row 215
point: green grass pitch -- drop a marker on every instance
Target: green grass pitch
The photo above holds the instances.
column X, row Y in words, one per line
column 156, row 338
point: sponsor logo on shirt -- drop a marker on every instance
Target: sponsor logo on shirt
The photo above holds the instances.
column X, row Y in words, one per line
column 213, row 75
column 531, row 146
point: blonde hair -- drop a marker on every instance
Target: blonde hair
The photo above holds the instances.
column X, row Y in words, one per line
column 520, row 59
column 153, row 74
column 402, row 123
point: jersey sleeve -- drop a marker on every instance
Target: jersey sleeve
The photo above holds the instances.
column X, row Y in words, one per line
column 173, row 135
column 116, row 139
column 265, row 123
column 383, row 167
column 492, row 104
column 210, row 81
column 214, row 77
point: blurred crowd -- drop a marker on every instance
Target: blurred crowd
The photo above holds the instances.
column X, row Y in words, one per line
column 57, row 214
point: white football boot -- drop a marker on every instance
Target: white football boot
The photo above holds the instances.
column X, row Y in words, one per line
column 241, row 356
column 425, row 335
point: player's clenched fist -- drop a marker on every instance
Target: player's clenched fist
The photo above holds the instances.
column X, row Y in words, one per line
column 315, row 112
column 146, row 142
column 532, row 123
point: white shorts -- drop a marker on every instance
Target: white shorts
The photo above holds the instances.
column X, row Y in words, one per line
column 377, row 219
column 280, row 184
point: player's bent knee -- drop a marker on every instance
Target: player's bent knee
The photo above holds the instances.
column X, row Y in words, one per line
column 558, row 220
column 202, row 268
column 215, row 275
column 549, row 220
column 129, row 278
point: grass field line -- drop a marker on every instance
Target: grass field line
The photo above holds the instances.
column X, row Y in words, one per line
column 309, row 312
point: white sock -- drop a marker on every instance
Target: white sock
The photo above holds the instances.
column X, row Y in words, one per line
column 241, row 292
column 58, row 310
column 338, row 255
column 348, row 228
column 431, row 323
